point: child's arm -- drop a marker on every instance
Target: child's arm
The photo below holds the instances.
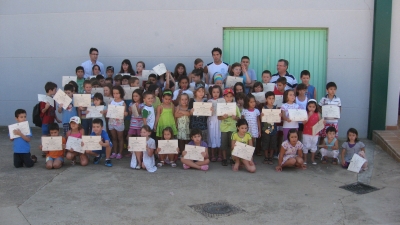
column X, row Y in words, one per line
column 233, row 142
column 280, row 159
column 23, row 136
column 205, row 154
column 315, row 93
column 60, row 107
column 149, row 151
column 251, row 142
column 248, row 79
column 167, row 74
column 159, row 111
column 336, row 145
column 259, row 125
column 342, row 156
column 223, row 117
column 125, row 112
column 105, row 144
column 284, row 118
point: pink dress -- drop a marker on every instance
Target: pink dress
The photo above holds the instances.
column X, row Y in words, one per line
column 291, row 151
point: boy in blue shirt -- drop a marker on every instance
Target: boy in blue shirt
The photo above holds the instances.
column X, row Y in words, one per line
column 97, row 130
column 21, row 146
column 70, row 111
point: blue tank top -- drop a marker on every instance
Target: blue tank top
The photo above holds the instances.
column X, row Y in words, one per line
column 310, row 92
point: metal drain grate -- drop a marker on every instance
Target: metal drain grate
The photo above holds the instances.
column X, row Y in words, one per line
column 216, row 209
column 359, row 188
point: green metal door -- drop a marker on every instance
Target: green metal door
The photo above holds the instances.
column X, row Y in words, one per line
column 305, row 49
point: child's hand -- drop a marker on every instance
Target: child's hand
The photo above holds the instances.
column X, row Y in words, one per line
column 40, row 147
column 191, row 111
column 324, row 122
column 225, row 116
column 177, row 150
column 58, row 120
column 288, row 120
column 262, row 114
column 102, row 144
column 280, row 114
column 158, row 150
column 343, row 163
column 305, row 121
column 259, row 134
column 211, row 109
column 184, row 153
column 278, row 169
column 243, row 69
column 71, row 150
column 203, row 154
column 81, row 108
column 17, row 132
column 60, row 105
column 82, row 144
column 125, row 113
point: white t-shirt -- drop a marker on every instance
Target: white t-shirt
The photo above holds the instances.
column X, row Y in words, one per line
column 148, row 161
column 149, row 115
column 213, row 68
column 334, row 101
column 285, row 107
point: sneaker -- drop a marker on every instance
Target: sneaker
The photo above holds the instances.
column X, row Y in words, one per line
column 304, row 163
column 137, row 167
column 186, row 167
column 173, row 164
column 96, row 159
column 108, row 163
column 119, row 156
column 314, row 163
column 224, row 162
column 34, row 158
column 276, row 156
column 204, row 167
column 113, row 155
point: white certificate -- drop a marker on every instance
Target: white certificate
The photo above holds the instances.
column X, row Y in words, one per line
column 231, row 81
column 146, row 73
column 259, row 96
column 95, row 111
column 135, row 112
column 52, row 143
column 330, row 111
column 128, row 92
column 268, row 87
column 137, row 144
column 271, row 116
column 45, row 98
column 356, row 163
column 83, row 100
column 115, row 111
column 91, row 143
column 214, row 104
column 202, row 108
column 243, row 151
column 318, row 127
column 168, row 146
column 97, row 90
column 61, row 98
column 278, row 100
column 23, row 127
column 91, row 77
column 194, row 152
column 74, row 144
column 226, row 108
column 298, row 114
column 67, row 79
column 124, row 85
column 160, row 69
column 107, row 100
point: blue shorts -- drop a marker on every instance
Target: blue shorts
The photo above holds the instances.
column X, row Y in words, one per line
column 52, row 159
column 45, row 129
column 102, row 151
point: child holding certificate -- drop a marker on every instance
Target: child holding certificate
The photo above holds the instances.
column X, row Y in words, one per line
column 54, row 159
column 70, row 111
column 252, row 116
column 244, row 137
column 167, row 134
column 145, row 159
column 99, row 101
column 105, row 143
column 228, row 125
column 136, row 122
column 269, row 131
column 165, row 115
column 196, row 136
column 21, row 146
column 48, row 112
column 239, row 70
column 117, row 126
column 198, row 122
column 214, row 132
column 353, row 146
column 310, row 141
column 330, row 99
column 86, row 122
column 182, row 114
column 291, row 152
column 76, row 131
column 289, row 103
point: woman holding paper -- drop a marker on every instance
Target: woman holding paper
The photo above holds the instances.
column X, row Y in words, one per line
column 238, row 70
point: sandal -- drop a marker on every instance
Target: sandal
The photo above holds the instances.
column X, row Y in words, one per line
column 73, row 162
column 224, row 162
column 213, row 159
column 173, row 164
column 334, row 161
column 266, row 160
column 324, row 160
column 219, row 159
column 270, row 161
column 160, row 164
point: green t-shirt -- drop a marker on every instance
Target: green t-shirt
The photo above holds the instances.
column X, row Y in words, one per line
column 229, row 124
column 80, row 85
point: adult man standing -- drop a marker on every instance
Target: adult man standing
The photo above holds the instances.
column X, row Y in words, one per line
column 282, row 67
column 245, row 61
column 216, row 67
column 88, row 65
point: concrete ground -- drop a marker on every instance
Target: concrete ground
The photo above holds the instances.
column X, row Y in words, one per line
column 97, row 194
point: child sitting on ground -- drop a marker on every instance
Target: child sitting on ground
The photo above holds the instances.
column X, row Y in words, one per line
column 54, row 159
column 196, row 136
column 353, row 146
column 330, row 147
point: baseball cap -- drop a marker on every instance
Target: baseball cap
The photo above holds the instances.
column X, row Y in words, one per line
column 75, row 119
column 227, row 91
column 110, row 68
column 199, row 85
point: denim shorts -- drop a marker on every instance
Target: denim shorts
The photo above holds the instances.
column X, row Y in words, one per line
column 52, row 159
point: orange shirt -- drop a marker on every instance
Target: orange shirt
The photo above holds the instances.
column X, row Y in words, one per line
column 56, row 154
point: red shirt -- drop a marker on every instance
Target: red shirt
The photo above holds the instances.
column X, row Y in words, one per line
column 49, row 116
column 312, row 120
column 277, row 92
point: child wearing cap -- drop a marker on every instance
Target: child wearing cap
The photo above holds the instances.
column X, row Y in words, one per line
column 218, row 80
column 76, row 131
column 70, row 111
column 228, row 125
column 110, row 71
column 199, row 122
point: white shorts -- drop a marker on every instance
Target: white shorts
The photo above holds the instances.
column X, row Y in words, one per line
column 331, row 154
column 310, row 142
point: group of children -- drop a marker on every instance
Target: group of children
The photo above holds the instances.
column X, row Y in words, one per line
column 158, row 110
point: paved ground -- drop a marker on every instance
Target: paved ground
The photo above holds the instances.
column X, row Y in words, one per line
column 119, row 195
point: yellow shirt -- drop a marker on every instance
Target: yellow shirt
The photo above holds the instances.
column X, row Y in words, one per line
column 244, row 140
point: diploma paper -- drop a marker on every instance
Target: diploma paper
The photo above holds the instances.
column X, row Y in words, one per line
column 128, row 92
column 52, row 143
column 95, row 111
column 160, row 69
column 194, row 152
column 124, row 85
column 268, row 87
column 67, row 79
column 91, row 77
column 356, row 163
column 243, row 151
column 226, row 108
column 214, row 104
column 97, row 90
column 146, row 73
column 278, row 100
column 271, row 115
column 61, row 98
column 115, row 111
column 107, row 100
column 168, row 146
column 23, row 127
column 83, row 100
column 74, row 144
column 91, row 143
column 318, row 127
column 137, row 144
column 259, row 96
column 202, row 108
column 135, row 112
column 330, row 111
column 45, row 98
column 298, row 114
column 231, row 81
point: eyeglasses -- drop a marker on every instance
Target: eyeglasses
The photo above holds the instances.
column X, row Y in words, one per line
column 94, row 54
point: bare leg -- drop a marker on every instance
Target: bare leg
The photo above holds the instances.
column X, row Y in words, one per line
column 305, row 157
column 49, row 164
column 57, row 164
column 120, row 141
column 114, row 137
column 237, row 163
column 249, row 166
column 139, row 156
column 289, row 163
column 299, row 163
column 313, row 157
column 84, row 159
